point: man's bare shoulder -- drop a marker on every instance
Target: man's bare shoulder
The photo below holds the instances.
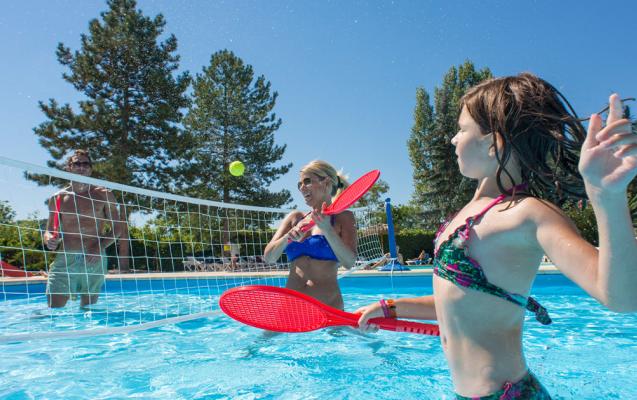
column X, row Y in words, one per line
column 101, row 193
column 67, row 191
column 61, row 198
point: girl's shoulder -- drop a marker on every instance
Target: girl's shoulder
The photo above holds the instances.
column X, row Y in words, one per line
column 539, row 211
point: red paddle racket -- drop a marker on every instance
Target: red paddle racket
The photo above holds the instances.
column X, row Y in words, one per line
column 349, row 196
column 285, row 310
column 56, row 217
column 7, row 269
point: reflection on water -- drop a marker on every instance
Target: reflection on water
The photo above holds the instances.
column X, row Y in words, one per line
column 33, row 315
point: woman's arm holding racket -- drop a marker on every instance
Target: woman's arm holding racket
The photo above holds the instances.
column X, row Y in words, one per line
column 410, row 308
column 341, row 237
column 287, row 230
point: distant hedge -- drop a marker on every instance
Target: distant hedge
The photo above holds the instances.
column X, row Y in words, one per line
column 412, row 242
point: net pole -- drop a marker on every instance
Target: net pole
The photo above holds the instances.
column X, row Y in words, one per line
column 394, row 264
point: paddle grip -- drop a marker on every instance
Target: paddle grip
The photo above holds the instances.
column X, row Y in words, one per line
column 56, row 218
column 398, row 325
column 307, row 226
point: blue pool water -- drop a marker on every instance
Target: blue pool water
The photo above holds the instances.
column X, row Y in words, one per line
column 588, row 353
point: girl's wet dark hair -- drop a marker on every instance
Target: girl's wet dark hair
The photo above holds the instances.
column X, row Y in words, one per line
column 536, row 124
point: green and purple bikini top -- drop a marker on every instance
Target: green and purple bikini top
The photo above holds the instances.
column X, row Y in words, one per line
column 452, row 263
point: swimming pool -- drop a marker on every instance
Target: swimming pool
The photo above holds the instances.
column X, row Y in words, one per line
column 588, row 353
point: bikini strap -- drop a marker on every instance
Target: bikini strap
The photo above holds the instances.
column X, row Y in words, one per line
column 488, row 207
column 472, row 219
column 444, row 225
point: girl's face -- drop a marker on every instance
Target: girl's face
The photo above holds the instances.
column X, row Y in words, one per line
column 315, row 189
column 476, row 158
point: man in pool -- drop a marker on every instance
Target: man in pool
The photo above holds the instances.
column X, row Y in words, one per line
column 83, row 213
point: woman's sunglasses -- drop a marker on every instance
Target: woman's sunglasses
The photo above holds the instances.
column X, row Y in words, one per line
column 307, row 182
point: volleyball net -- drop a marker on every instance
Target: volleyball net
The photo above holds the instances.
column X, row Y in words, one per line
column 93, row 257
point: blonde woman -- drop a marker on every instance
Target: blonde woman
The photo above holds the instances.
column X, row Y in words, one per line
column 316, row 255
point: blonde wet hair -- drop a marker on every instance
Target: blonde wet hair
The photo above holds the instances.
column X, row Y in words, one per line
column 323, row 169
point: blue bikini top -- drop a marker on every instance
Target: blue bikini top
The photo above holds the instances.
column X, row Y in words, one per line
column 315, row 246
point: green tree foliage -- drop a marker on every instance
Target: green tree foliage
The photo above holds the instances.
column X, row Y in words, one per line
column 632, row 187
column 7, row 215
column 231, row 118
column 439, row 187
column 407, row 216
column 375, row 196
column 584, row 219
column 131, row 111
column 21, row 240
column 374, row 200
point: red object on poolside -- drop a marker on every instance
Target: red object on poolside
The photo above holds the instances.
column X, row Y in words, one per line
column 349, row 196
column 9, row 270
column 285, row 310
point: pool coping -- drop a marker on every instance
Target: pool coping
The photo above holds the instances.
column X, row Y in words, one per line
column 545, row 269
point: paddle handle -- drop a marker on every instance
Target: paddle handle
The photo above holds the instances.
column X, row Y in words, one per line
column 397, row 325
column 56, row 217
column 307, row 226
column 339, row 317
column 310, row 224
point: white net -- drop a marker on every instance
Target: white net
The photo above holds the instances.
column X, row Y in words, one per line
column 178, row 254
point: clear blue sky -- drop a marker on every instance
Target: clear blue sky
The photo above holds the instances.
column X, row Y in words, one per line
column 346, row 72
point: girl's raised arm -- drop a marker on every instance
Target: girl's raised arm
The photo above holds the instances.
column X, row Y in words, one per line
column 608, row 163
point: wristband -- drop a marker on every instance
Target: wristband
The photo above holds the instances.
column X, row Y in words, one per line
column 385, row 307
column 391, row 304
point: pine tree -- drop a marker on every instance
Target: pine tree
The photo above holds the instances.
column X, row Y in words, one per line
column 129, row 118
column 7, row 215
column 439, row 187
column 231, row 119
column 375, row 196
column 420, row 145
column 632, row 187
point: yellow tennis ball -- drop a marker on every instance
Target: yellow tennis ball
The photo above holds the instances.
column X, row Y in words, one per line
column 236, row 168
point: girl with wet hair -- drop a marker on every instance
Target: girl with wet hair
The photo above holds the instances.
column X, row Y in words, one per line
column 316, row 255
column 520, row 139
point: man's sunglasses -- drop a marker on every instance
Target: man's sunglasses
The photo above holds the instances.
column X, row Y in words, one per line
column 86, row 164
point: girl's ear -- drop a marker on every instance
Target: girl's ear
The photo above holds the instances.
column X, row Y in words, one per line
column 497, row 141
